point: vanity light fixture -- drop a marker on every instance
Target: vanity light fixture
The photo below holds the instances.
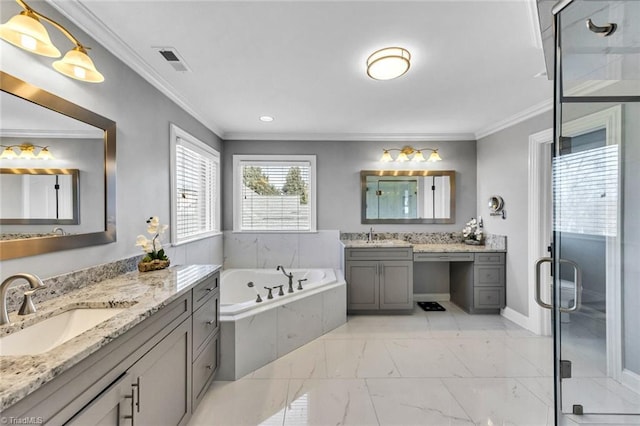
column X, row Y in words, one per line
column 388, row 63
column 26, row 151
column 26, row 32
column 406, row 152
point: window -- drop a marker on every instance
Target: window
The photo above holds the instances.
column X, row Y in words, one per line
column 274, row 193
column 195, row 188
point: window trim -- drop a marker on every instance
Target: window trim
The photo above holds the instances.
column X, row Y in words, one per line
column 197, row 145
column 237, row 185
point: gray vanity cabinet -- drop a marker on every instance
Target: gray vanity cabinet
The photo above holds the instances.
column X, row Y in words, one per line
column 379, row 279
column 112, row 408
column 479, row 286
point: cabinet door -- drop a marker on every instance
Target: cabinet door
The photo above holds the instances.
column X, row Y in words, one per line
column 396, row 284
column 161, row 380
column 113, row 407
column 362, row 285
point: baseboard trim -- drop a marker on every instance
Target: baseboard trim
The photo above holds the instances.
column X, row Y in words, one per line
column 517, row 317
column 631, row 380
column 431, row 297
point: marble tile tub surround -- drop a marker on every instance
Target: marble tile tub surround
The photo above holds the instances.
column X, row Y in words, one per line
column 65, row 283
column 141, row 293
column 492, row 241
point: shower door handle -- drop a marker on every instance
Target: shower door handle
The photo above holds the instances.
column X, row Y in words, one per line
column 577, row 285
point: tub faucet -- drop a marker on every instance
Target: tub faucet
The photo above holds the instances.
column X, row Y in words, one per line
column 289, row 275
column 251, row 285
column 27, row 304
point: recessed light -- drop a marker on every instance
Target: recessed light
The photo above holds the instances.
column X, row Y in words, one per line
column 266, row 118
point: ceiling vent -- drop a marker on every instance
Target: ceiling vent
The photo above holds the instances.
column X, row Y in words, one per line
column 171, row 55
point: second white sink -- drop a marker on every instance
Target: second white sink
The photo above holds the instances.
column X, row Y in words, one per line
column 47, row 334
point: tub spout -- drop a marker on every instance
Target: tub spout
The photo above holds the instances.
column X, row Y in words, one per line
column 289, row 275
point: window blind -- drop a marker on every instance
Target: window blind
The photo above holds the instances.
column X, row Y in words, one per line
column 196, row 191
column 275, row 196
column 586, row 192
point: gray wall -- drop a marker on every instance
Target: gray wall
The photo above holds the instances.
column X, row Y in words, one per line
column 338, row 173
column 142, row 115
column 503, row 169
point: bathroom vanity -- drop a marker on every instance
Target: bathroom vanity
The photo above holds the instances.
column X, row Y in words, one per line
column 149, row 364
column 379, row 275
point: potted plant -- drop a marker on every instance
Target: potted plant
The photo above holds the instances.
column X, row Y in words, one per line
column 155, row 257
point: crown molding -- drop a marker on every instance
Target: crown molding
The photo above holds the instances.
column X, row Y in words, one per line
column 400, row 137
column 52, row 134
column 532, row 111
column 84, row 19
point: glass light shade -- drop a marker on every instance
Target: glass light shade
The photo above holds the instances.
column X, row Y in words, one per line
column 8, row 153
column 418, row 157
column 434, row 157
column 77, row 64
column 386, row 157
column 26, row 32
column 27, row 153
column 402, row 157
column 388, row 63
column 45, row 154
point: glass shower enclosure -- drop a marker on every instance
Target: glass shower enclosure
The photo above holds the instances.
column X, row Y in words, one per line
column 596, row 217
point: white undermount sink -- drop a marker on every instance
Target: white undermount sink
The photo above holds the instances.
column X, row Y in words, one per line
column 51, row 332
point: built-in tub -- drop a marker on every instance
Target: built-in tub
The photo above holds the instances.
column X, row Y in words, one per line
column 253, row 334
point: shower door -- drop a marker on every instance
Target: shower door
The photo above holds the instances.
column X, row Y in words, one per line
column 596, row 187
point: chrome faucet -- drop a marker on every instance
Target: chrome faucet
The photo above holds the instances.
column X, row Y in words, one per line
column 370, row 235
column 289, row 275
column 27, row 304
column 58, row 229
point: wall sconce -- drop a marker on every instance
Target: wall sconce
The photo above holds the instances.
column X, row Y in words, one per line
column 388, row 63
column 26, row 32
column 407, row 151
column 496, row 206
column 26, row 151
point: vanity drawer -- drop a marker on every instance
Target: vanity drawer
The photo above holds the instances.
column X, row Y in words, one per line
column 400, row 253
column 204, row 367
column 490, row 258
column 488, row 297
column 443, row 257
column 205, row 322
column 488, row 275
column 205, row 289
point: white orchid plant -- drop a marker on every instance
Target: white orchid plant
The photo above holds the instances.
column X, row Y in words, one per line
column 153, row 247
column 472, row 230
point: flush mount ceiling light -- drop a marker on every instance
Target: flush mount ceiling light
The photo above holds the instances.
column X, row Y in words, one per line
column 388, row 63
column 266, row 118
column 407, row 151
column 26, row 32
column 26, row 151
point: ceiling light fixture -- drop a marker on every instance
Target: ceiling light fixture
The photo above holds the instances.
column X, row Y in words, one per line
column 266, row 118
column 26, row 151
column 26, row 32
column 406, row 152
column 388, row 63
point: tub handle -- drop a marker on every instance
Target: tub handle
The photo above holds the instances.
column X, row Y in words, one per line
column 281, row 292
column 300, row 283
column 270, row 290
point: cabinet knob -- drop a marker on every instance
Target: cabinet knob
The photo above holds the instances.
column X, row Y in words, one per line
column 209, row 367
column 211, row 322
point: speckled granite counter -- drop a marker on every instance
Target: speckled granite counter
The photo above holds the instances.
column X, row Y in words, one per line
column 424, row 248
column 141, row 293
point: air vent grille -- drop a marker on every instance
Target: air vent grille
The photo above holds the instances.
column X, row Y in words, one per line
column 171, row 55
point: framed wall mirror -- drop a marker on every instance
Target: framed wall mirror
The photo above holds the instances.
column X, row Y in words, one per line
column 407, row 196
column 78, row 143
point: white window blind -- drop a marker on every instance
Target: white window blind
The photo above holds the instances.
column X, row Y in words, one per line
column 275, row 195
column 586, row 192
column 195, row 188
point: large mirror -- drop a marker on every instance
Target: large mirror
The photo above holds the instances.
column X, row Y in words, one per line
column 80, row 148
column 408, row 196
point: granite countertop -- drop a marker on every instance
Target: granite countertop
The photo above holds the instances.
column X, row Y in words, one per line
column 142, row 294
column 423, row 248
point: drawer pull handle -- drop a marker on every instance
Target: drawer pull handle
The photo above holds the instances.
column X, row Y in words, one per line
column 211, row 322
column 209, row 367
column 133, row 410
column 210, row 289
column 136, row 385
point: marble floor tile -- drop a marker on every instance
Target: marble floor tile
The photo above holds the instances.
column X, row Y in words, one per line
column 425, row 358
column 537, row 350
column 415, row 402
column 502, row 401
column 490, row 357
column 243, row 402
column 599, row 395
column 359, row 358
column 306, row 362
column 329, row 402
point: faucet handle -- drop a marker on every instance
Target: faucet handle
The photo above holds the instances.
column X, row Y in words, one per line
column 281, row 292
column 270, row 290
column 300, row 283
column 27, row 306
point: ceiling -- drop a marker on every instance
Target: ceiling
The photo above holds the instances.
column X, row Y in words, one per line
column 303, row 62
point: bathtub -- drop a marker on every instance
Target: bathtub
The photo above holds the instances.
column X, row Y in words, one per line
column 253, row 334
